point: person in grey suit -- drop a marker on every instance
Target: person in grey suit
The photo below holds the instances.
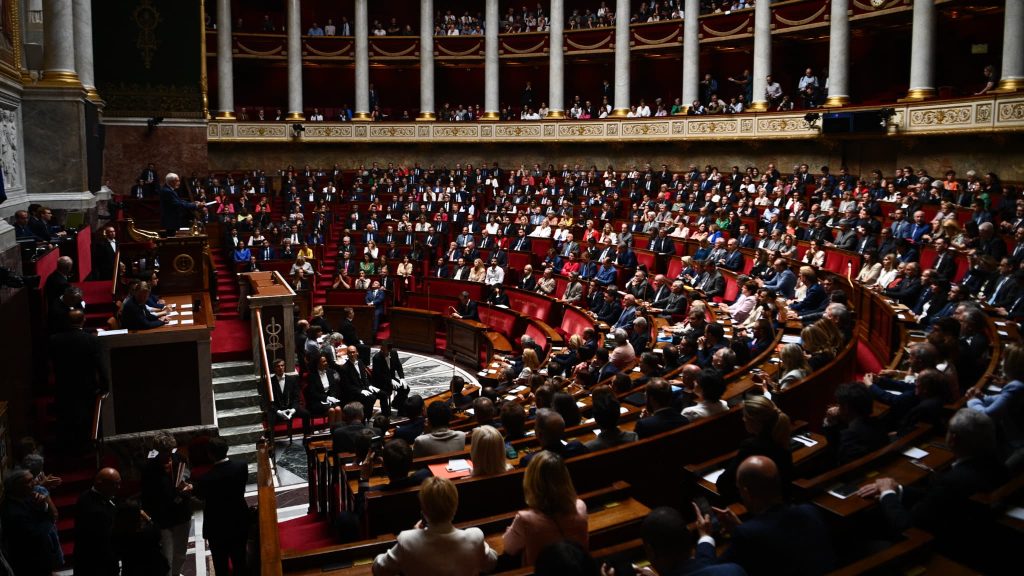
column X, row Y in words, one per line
column 675, row 303
column 573, row 290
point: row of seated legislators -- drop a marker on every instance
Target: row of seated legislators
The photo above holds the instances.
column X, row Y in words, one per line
column 680, row 250
column 684, row 248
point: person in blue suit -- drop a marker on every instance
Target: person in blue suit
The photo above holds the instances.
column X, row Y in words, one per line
column 375, row 297
column 172, row 207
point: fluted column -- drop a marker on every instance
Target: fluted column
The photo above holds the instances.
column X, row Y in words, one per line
column 691, row 52
column 426, row 61
column 491, row 64
column 922, row 51
column 556, row 61
column 762, row 55
column 362, row 31
column 839, row 54
column 294, row 61
column 1012, row 73
column 621, row 104
column 226, row 67
column 83, row 47
column 59, row 43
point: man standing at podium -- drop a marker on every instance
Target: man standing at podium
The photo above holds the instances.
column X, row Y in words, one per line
column 466, row 309
column 172, row 208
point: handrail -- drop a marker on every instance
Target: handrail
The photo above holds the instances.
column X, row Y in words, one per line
column 270, row 544
column 117, row 274
column 264, row 362
column 96, row 430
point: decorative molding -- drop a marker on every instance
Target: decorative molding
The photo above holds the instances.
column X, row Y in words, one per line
column 992, row 114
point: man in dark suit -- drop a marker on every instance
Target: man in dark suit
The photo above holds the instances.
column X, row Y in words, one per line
column 225, row 515
column 375, row 297
column 549, row 427
column 349, row 335
column 57, row 315
column 323, row 391
column 104, row 253
column 943, row 507
column 945, row 260
column 58, row 280
column 388, row 376
column 670, row 546
column 285, row 404
column 909, row 289
column 733, row 259
column 172, row 207
column 467, row 308
column 94, row 526
column 356, row 385
column 78, row 377
column 663, row 244
column 815, row 294
column 851, row 429
column 661, row 416
column 134, row 314
column 776, row 538
column 710, row 283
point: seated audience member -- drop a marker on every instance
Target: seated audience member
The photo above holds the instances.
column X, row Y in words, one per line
column 793, row 367
column 640, row 338
column 708, row 388
column 513, row 420
column 1007, row 407
column 345, row 435
column 397, row 462
column 564, row 558
column 434, row 546
column 659, row 415
column 921, row 401
column 459, row 401
column 606, row 412
column 711, row 342
column 134, row 314
column 769, row 430
column 439, row 439
column 553, row 511
column 943, row 506
column 487, row 451
column 623, row 354
column 776, row 538
column 565, row 405
column 673, row 549
column 549, row 427
column 850, row 427
column 483, row 410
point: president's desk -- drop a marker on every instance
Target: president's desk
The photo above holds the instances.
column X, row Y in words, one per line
column 160, row 378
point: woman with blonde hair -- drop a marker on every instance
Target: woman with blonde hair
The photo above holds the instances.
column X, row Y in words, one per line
column 487, row 451
column 479, row 271
column 794, row 368
column 769, row 430
column 887, row 272
column 554, row 513
column 818, row 346
column 870, row 268
column 530, row 361
column 434, row 546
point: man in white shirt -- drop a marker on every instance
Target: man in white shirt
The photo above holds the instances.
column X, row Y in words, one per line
column 772, row 90
column 495, row 274
column 643, row 111
column 329, row 28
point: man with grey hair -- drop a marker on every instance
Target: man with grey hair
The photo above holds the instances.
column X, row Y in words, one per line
column 173, row 210
column 623, row 353
column 989, row 244
column 943, row 507
column 641, row 337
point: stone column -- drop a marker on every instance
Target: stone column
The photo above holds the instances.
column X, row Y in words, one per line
column 427, row 61
column 492, row 69
column 1012, row 73
column 621, row 104
column 225, row 65
column 362, row 30
column 762, row 55
column 294, row 61
column 691, row 53
column 922, row 51
column 556, row 62
column 83, row 48
column 59, row 43
column 838, row 54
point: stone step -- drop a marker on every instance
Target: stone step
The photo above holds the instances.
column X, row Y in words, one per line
column 239, row 416
column 252, row 473
column 232, row 368
column 243, row 453
column 235, row 399
column 241, row 435
column 236, row 382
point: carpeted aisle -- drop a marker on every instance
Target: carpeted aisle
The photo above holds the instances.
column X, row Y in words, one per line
column 231, row 338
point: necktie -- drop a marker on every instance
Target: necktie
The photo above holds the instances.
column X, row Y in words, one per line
column 995, row 294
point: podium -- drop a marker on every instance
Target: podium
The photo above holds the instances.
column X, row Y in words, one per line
column 183, row 264
column 465, row 341
column 271, row 302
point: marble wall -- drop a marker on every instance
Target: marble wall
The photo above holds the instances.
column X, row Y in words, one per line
column 1000, row 153
column 55, row 155
column 172, row 148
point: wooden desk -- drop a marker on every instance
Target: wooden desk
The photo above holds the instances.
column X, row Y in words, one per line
column 465, row 341
column 161, row 378
column 415, row 329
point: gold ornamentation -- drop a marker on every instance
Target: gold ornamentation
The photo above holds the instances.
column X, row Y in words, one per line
column 746, row 125
column 456, row 132
column 983, row 113
column 1010, row 84
column 807, row 20
column 664, row 40
column 517, row 131
column 527, row 51
column 327, row 131
column 728, row 32
column 261, row 130
column 392, row 132
column 679, row 127
column 184, row 264
column 273, row 51
column 486, row 132
column 568, row 41
column 781, row 125
column 713, row 126
column 579, row 130
column 941, row 116
column 147, row 19
column 442, row 50
column 400, row 54
column 1011, row 111
column 315, row 52
column 490, row 117
column 645, row 128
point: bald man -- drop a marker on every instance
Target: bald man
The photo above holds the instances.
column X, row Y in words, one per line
column 94, row 526
column 777, row 538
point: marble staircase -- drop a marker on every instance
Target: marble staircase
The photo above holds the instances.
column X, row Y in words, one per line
column 239, row 418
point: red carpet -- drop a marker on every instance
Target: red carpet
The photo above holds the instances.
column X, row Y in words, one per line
column 231, row 340
column 305, row 533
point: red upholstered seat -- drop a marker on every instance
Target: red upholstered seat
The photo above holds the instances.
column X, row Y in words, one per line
column 641, row 242
column 448, row 287
column 646, row 259
column 528, row 304
column 574, row 322
column 731, row 289
column 537, row 334
column 840, row 261
column 500, row 320
column 346, row 297
column 675, row 266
